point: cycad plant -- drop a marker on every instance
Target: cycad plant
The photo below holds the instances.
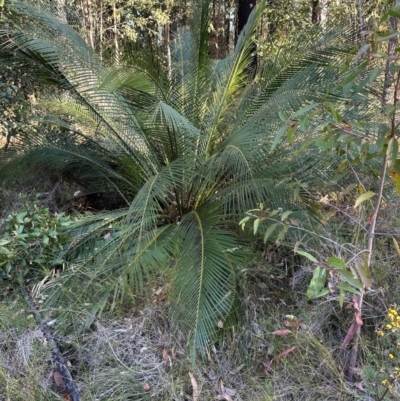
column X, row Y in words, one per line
column 188, row 151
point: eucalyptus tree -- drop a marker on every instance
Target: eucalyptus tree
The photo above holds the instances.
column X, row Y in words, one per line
column 188, row 151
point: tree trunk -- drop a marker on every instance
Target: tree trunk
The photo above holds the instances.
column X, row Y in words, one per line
column 315, row 12
column 244, row 10
column 167, row 40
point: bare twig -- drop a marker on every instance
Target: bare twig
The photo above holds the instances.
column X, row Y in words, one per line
column 371, row 232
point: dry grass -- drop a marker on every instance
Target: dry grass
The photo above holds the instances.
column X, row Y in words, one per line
column 136, row 355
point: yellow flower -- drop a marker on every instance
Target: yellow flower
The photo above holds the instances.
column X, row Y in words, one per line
column 384, row 382
column 380, row 333
column 388, row 326
column 391, row 356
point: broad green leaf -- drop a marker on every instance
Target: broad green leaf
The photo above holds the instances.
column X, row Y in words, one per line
column 350, row 279
column 4, row 242
column 336, row 263
column 281, row 235
column 20, row 217
column 285, row 215
column 363, row 197
column 269, row 231
column 348, row 288
column 334, row 112
column 364, row 273
column 392, row 151
column 322, row 293
column 374, row 74
column 389, row 34
column 304, row 110
column 256, row 224
column 307, row 255
column 317, row 282
column 304, row 122
column 8, row 268
column 278, row 137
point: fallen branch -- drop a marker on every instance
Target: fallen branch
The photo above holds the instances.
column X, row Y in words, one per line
column 58, row 358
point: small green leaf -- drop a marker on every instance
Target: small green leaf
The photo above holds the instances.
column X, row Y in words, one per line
column 269, row 231
column 317, row 283
column 256, row 224
column 342, row 296
column 290, row 134
column 364, row 274
column 363, row 197
column 45, row 240
column 336, row 263
column 283, row 116
column 307, row 255
column 285, row 215
column 244, row 220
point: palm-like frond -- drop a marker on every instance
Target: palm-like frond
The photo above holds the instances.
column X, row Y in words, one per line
column 190, row 154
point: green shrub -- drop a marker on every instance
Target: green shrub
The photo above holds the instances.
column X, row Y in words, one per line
column 31, row 245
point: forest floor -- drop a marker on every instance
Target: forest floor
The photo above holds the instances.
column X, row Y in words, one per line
column 284, row 347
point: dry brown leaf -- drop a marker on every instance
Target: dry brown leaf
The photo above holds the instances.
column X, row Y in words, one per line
column 58, row 379
column 267, row 369
column 283, row 332
column 195, row 387
column 283, row 354
column 350, row 334
column 297, row 324
column 165, row 356
column 356, row 302
column 237, row 370
column 225, row 397
column 173, row 353
column 67, row 397
column 359, row 319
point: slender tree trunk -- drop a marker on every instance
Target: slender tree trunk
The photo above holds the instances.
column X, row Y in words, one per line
column 91, row 25
column 101, row 30
column 116, row 46
column 390, row 52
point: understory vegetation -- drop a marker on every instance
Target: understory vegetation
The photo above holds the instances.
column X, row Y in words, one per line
column 199, row 214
